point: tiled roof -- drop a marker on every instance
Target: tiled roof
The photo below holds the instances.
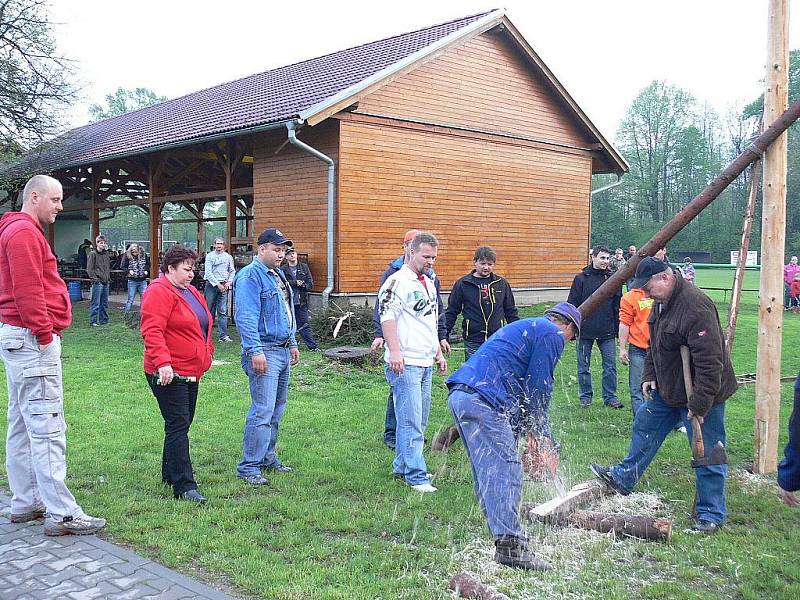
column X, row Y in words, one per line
column 258, row 100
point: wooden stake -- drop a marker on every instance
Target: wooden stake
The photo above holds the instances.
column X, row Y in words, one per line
column 773, row 234
column 558, row 509
column 744, row 246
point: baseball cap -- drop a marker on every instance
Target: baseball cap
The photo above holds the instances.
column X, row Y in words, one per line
column 273, row 236
column 648, row 267
column 410, row 234
column 568, row 311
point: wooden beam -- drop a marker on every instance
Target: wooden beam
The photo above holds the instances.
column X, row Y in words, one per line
column 243, row 191
column 773, row 236
column 94, row 211
column 206, row 220
column 200, row 229
column 155, row 217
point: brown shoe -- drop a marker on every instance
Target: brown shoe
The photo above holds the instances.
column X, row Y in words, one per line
column 513, row 552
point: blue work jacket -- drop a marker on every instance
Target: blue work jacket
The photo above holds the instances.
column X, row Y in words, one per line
column 260, row 314
column 513, row 369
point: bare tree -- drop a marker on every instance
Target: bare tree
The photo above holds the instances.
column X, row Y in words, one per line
column 34, row 86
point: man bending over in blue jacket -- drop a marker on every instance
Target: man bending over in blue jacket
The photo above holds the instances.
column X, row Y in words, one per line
column 502, row 391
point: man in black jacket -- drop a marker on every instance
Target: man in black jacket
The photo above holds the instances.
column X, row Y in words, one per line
column 484, row 299
column 299, row 277
column 601, row 327
column 682, row 315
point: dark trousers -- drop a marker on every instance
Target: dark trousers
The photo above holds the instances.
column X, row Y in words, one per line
column 303, row 326
column 177, row 402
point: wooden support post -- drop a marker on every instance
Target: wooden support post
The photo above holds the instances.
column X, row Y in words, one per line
column 51, row 236
column 200, row 227
column 155, row 217
column 773, row 234
column 94, row 211
column 744, row 246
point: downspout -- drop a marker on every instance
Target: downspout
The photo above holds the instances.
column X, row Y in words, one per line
column 609, row 186
column 290, row 129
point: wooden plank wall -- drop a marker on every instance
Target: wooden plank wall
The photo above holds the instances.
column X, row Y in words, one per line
column 530, row 204
column 290, row 190
column 483, row 84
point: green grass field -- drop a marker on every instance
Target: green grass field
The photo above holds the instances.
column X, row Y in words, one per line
column 341, row 527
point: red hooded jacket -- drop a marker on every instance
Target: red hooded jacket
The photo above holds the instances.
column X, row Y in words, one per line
column 32, row 293
column 171, row 332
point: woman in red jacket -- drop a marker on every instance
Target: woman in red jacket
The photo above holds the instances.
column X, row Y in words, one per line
column 176, row 327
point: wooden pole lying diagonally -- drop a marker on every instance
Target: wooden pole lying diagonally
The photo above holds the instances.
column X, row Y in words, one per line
column 693, row 208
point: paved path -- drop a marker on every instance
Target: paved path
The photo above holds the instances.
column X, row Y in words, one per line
column 33, row 566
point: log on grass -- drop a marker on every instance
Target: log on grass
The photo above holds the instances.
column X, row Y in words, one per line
column 348, row 354
column 468, row 586
column 645, row 528
column 557, row 509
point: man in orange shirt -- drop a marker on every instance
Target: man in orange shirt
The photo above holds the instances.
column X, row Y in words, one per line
column 634, row 339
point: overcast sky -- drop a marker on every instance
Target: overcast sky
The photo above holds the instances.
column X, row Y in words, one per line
column 603, row 51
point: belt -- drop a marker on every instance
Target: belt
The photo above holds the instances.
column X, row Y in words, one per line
column 284, row 344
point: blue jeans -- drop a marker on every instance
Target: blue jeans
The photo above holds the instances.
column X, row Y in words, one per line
column 654, row 421
column 98, row 311
column 218, row 307
column 608, row 351
column 636, row 358
column 268, row 393
column 303, row 326
column 496, row 468
column 135, row 287
column 412, row 404
column 390, row 424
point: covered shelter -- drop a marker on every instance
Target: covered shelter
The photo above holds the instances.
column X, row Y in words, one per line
column 459, row 128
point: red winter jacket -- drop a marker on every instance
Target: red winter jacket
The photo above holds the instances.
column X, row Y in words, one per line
column 32, row 294
column 171, row 332
column 794, row 289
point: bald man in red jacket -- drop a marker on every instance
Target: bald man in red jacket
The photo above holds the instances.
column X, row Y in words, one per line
column 34, row 310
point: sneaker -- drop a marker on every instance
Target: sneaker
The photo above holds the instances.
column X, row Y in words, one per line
column 390, row 444
column 255, row 479
column 681, row 429
column 586, row 404
column 424, row 488
column 615, row 404
column 511, row 552
column 84, row 525
column 604, row 475
column 227, row 338
column 95, row 325
column 32, row 515
column 703, row 526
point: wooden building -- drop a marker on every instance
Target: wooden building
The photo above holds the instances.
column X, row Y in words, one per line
column 458, row 128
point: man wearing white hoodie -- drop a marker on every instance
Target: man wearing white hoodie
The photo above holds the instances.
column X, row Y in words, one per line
column 409, row 316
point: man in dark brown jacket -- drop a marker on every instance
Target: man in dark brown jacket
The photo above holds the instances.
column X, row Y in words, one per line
column 682, row 315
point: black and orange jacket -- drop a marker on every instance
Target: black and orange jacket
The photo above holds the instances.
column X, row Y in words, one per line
column 482, row 316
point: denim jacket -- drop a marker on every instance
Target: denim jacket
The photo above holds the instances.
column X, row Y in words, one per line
column 260, row 314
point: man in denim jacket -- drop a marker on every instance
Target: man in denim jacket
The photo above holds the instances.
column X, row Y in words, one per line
column 266, row 323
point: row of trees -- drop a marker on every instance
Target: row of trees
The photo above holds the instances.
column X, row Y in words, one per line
column 675, row 145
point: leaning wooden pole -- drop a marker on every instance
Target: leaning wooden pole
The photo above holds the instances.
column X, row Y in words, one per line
column 773, row 238
column 693, row 208
column 744, row 246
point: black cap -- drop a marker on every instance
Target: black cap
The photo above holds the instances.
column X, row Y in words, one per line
column 273, row 236
column 648, row 267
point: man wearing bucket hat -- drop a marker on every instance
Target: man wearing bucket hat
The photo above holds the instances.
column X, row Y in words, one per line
column 682, row 315
column 501, row 392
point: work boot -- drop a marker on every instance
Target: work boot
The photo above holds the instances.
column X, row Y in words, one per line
column 604, row 475
column 84, row 525
column 513, row 552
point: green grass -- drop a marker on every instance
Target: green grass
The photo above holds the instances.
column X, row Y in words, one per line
column 341, row 527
